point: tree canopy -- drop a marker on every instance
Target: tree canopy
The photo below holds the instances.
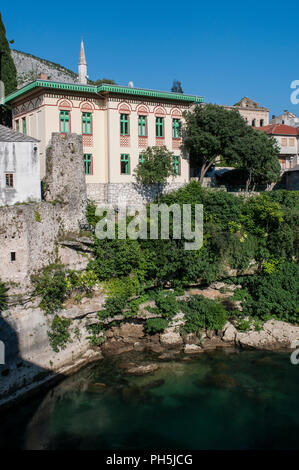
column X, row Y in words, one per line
column 177, row 87
column 212, row 131
column 155, row 168
column 8, row 71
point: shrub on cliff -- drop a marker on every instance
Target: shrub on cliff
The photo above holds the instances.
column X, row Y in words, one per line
column 202, row 313
column 3, row 296
column 275, row 294
column 51, row 285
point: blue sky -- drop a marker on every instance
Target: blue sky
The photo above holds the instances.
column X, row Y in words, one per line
column 220, row 50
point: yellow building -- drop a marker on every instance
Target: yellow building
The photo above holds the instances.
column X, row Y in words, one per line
column 117, row 124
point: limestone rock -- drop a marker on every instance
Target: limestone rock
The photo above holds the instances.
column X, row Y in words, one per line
column 275, row 335
column 229, row 333
column 192, row 349
column 171, row 338
column 143, row 369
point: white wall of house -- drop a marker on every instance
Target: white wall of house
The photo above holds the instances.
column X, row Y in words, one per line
column 21, row 160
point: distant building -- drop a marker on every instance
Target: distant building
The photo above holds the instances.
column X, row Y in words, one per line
column 117, row 124
column 287, row 118
column 287, row 138
column 254, row 115
column 19, row 167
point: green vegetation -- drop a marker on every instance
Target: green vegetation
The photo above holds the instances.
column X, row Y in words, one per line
column 212, row 130
column 155, row 325
column 59, row 334
column 203, row 313
column 3, row 296
column 37, row 216
column 8, row 74
column 156, row 167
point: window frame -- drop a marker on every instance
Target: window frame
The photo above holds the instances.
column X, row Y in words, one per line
column 86, row 122
column 86, row 162
column 64, row 112
column 159, row 125
column 123, row 123
column 123, row 160
column 141, row 158
column 24, row 125
column 142, row 125
column 176, row 128
column 177, row 165
column 10, row 179
column 17, row 125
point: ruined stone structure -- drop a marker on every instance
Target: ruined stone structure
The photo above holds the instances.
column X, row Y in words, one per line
column 30, row 233
column 254, row 114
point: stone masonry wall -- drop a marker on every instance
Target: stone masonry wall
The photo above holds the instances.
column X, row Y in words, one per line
column 30, row 233
column 131, row 193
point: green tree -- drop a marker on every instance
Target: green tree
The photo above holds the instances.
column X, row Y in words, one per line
column 8, row 73
column 256, row 153
column 177, row 87
column 156, row 167
column 107, row 81
column 211, row 131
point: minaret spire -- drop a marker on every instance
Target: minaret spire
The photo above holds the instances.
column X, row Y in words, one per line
column 82, row 67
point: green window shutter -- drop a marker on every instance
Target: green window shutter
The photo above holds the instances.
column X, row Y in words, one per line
column 124, row 124
column 125, row 164
column 177, row 164
column 24, row 125
column 141, row 158
column 142, row 126
column 64, row 122
column 86, row 123
column 176, row 128
column 159, row 127
column 88, row 164
column 18, row 125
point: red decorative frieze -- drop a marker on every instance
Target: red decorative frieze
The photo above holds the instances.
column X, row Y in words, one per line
column 124, row 141
column 87, row 140
column 160, row 142
column 176, row 143
column 142, row 142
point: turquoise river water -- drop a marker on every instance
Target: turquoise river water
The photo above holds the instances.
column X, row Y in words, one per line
column 217, row 400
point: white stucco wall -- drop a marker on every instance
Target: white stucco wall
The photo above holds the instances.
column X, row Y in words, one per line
column 22, row 160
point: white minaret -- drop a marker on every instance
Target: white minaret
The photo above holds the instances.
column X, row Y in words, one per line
column 82, row 67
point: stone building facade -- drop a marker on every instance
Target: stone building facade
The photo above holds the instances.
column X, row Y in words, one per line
column 254, row 114
column 287, row 138
column 116, row 123
column 19, row 168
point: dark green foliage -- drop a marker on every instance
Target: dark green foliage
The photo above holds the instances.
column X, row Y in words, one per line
column 156, row 325
column 8, row 72
column 211, row 131
column 3, row 296
column 202, row 313
column 51, row 285
column 177, row 87
column 59, row 334
column 115, row 258
column 275, row 294
column 167, row 305
column 156, row 167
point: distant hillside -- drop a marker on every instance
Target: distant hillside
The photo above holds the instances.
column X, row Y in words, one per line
column 29, row 68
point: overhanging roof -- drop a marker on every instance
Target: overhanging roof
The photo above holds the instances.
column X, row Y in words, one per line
column 103, row 88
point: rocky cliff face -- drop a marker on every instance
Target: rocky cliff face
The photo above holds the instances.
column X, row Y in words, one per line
column 30, row 67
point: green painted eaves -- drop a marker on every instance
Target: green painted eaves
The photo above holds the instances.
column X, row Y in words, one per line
column 103, row 88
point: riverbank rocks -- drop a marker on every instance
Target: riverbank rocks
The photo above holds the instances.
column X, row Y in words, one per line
column 276, row 335
column 229, row 333
column 192, row 349
column 128, row 332
column 171, row 338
